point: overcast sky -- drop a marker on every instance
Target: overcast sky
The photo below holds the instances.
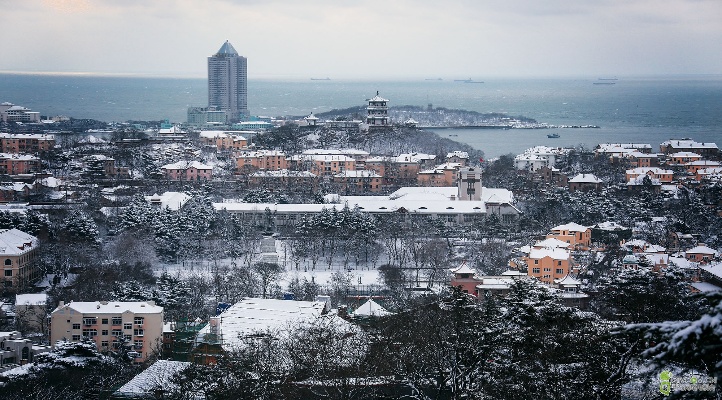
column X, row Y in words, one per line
column 368, row 39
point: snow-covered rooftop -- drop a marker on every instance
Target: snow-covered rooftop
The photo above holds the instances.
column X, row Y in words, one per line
column 554, row 253
column 585, row 178
column 370, row 309
column 111, row 307
column 252, row 316
column 571, row 227
column 187, row 165
column 157, row 376
column 172, row 200
column 31, row 299
column 14, row 242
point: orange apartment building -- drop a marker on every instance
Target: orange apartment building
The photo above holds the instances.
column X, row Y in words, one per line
column 187, row 171
column 443, row 175
column 269, row 160
column 362, row 181
column 694, row 166
column 683, row 157
column 330, row 165
column 139, row 324
column 18, row 252
column 26, row 143
column 574, row 234
column 284, row 177
column 638, row 159
column 672, row 146
column 18, row 164
column 548, row 264
column 700, row 254
column 223, row 140
column 663, row 175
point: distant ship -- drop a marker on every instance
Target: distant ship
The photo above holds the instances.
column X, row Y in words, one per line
column 467, row 81
column 605, row 81
column 320, row 79
column 553, row 136
column 433, row 79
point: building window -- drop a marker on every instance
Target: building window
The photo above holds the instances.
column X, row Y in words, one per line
column 535, row 271
column 76, row 326
column 104, row 321
column 138, row 332
column 8, row 272
column 138, row 320
column 559, row 263
column 536, row 262
column 117, row 321
column 138, row 344
column 8, row 261
column 89, row 321
column 76, row 338
column 104, row 332
column 127, row 325
column 547, row 270
column 560, row 271
column 117, row 333
column 90, row 332
column 104, row 343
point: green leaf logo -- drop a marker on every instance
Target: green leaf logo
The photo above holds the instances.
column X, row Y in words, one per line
column 665, row 384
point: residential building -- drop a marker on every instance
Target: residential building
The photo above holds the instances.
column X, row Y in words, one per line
column 228, row 82
column 585, row 183
column 18, row 252
column 268, row 160
column 706, row 150
column 662, row 175
column 549, row 264
column 458, row 157
column 701, row 254
column 223, row 140
column 187, row 171
column 18, row 164
column 572, row 233
column 363, row 181
column 537, row 157
column 694, row 166
column 683, row 157
column 31, row 312
column 282, row 177
column 110, row 324
column 16, row 350
column 26, row 143
column 442, row 175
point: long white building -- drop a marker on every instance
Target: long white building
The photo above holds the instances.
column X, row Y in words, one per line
column 461, row 204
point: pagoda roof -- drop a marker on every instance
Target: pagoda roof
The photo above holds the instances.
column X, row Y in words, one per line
column 463, row 269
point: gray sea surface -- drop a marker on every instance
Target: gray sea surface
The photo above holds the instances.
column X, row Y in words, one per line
column 632, row 109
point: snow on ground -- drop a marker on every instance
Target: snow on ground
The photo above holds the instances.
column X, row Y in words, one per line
column 321, row 274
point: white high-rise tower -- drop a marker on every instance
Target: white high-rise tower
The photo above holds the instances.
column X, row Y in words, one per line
column 228, row 82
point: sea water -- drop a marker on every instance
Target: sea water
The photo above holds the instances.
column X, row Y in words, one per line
column 633, row 109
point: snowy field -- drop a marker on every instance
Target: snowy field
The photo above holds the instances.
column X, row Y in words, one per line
column 365, row 275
